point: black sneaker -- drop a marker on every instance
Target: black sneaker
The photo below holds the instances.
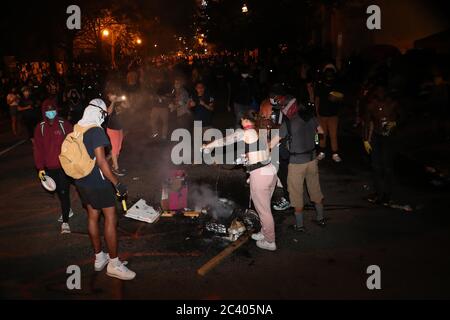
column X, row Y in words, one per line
column 298, row 229
column 321, row 223
column 281, row 205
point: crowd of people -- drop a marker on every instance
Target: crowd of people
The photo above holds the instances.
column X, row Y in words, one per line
column 304, row 101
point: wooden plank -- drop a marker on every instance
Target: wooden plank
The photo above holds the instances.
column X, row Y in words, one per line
column 222, row 255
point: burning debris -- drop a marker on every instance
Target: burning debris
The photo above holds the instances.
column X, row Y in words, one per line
column 217, row 217
column 235, row 225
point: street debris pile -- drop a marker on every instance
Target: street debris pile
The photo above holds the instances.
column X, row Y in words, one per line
column 218, row 217
column 235, row 224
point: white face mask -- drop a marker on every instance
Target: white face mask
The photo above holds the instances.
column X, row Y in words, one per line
column 245, row 75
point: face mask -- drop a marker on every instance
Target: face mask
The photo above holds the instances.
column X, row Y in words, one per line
column 50, row 114
column 103, row 115
column 244, row 75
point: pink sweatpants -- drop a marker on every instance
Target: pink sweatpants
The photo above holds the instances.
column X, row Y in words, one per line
column 262, row 185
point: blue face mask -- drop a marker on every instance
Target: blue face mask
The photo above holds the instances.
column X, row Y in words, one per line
column 50, row 114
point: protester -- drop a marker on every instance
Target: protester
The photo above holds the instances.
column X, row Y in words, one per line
column 75, row 106
column 280, row 101
column 263, row 177
column 27, row 111
column 382, row 117
column 12, row 99
column 244, row 94
column 300, row 130
column 179, row 104
column 202, row 105
column 160, row 112
column 114, row 129
column 97, row 192
column 328, row 103
column 48, row 138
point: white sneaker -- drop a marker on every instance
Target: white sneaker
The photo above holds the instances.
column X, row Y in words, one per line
column 258, row 236
column 70, row 215
column 263, row 244
column 65, row 228
column 336, row 158
column 101, row 262
column 321, row 156
column 120, row 271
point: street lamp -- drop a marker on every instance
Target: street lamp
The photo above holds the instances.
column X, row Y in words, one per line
column 138, row 41
column 105, row 34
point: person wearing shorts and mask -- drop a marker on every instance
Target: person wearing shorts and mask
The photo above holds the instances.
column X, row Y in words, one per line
column 303, row 163
column 97, row 191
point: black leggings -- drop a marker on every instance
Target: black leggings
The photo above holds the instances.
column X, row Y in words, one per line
column 29, row 121
column 62, row 190
column 282, row 175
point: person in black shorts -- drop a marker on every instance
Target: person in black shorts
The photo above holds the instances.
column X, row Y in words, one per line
column 97, row 192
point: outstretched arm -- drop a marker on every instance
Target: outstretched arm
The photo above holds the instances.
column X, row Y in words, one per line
column 230, row 139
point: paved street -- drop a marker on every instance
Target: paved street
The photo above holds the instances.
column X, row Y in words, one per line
column 410, row 248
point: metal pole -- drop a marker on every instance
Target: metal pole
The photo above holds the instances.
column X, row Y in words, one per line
column 113, row 51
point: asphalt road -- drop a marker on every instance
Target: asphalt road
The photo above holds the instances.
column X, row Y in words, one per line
column 411, row 249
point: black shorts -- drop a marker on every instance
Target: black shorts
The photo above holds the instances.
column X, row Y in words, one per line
column 98, row 198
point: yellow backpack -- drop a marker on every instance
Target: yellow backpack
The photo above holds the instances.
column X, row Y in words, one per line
column 74, row 157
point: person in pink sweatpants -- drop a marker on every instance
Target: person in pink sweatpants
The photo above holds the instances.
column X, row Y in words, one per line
column 263, row 174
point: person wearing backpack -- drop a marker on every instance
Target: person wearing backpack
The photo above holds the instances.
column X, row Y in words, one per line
column 48, row 138
column 300, row 130
column 97, row 185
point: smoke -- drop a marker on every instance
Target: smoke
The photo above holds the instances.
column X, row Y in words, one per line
column 204, row 197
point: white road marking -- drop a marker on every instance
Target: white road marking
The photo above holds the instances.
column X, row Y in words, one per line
column 12, row 147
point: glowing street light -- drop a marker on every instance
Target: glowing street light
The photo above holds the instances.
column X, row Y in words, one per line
column 138, row 41
column 244, row 8
column 105, row 33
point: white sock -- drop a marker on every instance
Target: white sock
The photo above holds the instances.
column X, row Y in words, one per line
column 115, row 261
column 99, row 255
